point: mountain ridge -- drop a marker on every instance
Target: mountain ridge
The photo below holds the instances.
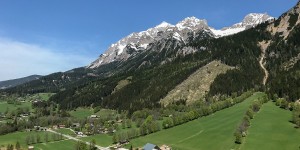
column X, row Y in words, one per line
column 15, row 82
column 140, row 41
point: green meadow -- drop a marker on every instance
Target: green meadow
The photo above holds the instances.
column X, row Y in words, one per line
column 211, row 132
column 56, row 145
column 271, row 129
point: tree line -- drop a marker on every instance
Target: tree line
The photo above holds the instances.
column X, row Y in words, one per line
column 242, row 128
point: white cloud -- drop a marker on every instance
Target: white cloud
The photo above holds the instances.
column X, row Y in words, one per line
column 19, row 59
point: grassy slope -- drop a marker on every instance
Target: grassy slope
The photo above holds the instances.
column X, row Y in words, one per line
column 82, row 113
column 86, row 112
column 45, row 96
column 212, row 132
column 106, row 112
column 271, row 129
column 65, row 131
column 101, row 139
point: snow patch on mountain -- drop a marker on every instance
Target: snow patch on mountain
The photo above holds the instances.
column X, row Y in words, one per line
column 251, row 20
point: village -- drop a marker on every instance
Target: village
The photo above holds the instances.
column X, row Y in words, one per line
column 39, row 121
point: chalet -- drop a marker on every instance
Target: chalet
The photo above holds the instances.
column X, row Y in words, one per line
column 30, row 147
column 150, row 146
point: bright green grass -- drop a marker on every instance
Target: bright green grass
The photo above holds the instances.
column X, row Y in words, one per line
column 82, row 113
column 65, row 131
column 101, row 139
column 12, row 138
column 4, row 106
column 271, row 129
column 45, row 96
column 57, row 145
column 213, row 132
column 106, row 112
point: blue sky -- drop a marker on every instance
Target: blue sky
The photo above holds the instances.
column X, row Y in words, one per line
column 42, row 37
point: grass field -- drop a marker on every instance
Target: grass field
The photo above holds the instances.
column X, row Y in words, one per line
column 81, row 113
column 271, row 129
column 106, row 112
column 211, row 132
column 12, row 107
column 101, row 139
column 65, row 131
column 44, row 96
column 57, row 145
column 12, row 138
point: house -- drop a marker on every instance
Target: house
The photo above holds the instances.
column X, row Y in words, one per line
column 150, row 146
column 80, row 134
column 43, row 129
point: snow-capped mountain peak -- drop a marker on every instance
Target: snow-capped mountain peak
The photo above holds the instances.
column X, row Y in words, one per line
column 254, row 19
column 249, row 21
column 182, row 31
column 164, row 25
column 191, row 23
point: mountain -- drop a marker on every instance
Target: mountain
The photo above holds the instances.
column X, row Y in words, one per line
column 251, row 20
column 16, row 82
column 182, row 31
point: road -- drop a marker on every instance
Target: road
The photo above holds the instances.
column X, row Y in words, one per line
column 76, row 139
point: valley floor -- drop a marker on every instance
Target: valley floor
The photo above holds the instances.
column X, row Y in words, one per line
column 270, row 129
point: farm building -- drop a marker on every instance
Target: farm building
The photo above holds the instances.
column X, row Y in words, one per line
column 150, row 146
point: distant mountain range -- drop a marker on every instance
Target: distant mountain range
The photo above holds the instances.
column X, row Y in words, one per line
column 16, row 82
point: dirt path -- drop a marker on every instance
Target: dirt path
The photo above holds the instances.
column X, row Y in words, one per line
column 264, row 45
column 191, row 136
